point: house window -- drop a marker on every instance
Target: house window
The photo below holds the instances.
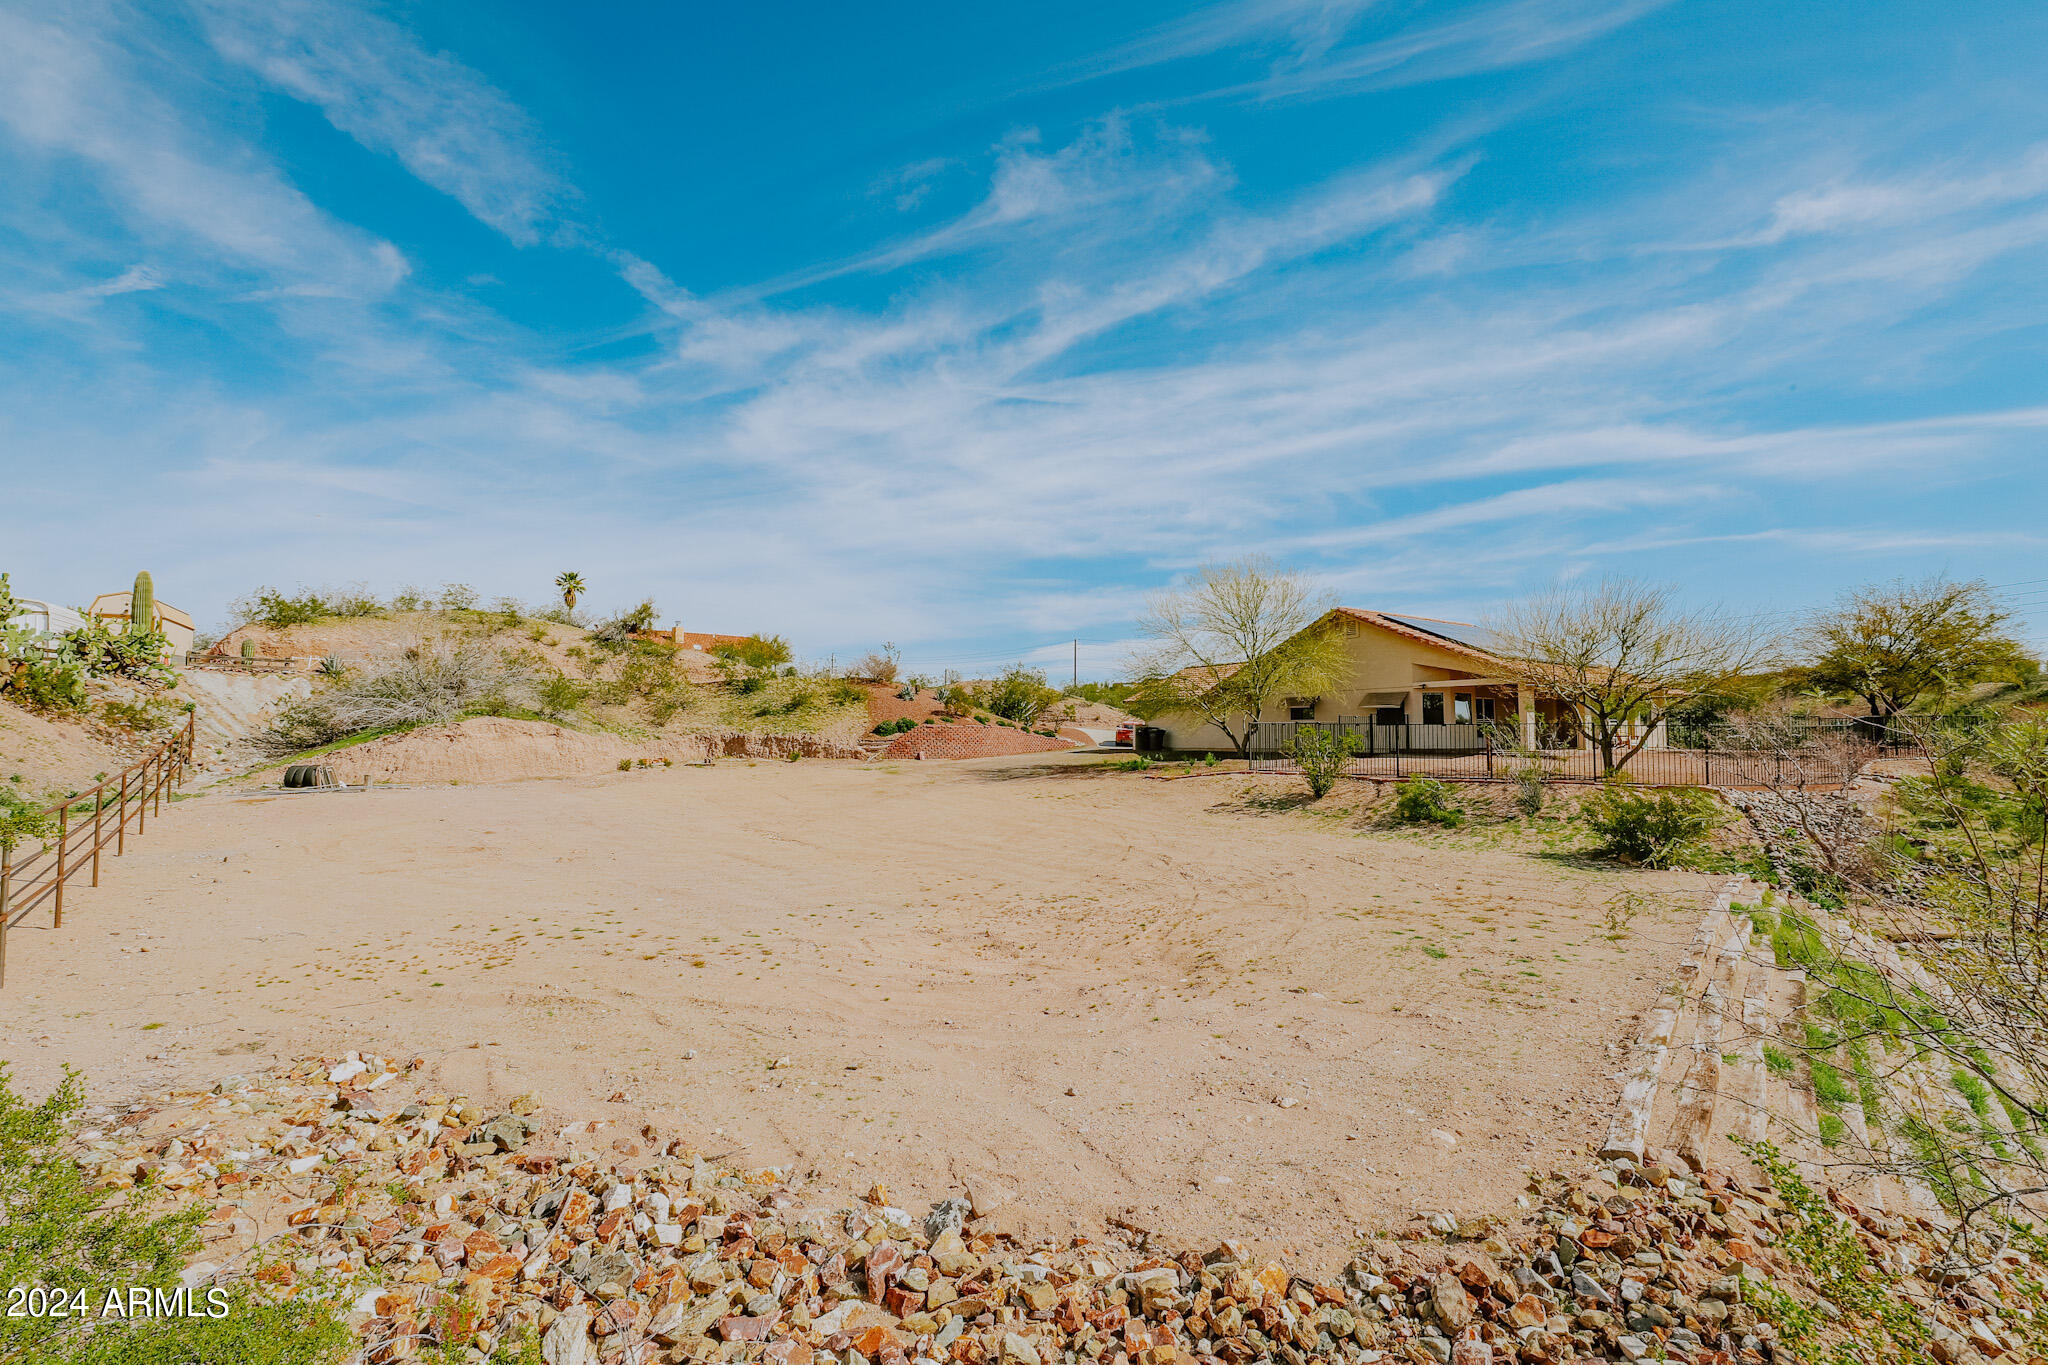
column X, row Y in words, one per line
column 1482, row 707
column 1389, row 715
column 1461, row 708
column 1301, row 708
column 1432, row 708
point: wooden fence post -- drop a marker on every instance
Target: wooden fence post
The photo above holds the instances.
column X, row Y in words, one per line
column 99, row 806
column 142, row 794
column 63, row 843
column 6, row 903
column 121, row 822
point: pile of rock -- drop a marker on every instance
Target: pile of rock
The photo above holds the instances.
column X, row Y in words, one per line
column 441, row 1223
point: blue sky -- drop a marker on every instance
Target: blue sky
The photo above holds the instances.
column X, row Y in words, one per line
column 966, row 326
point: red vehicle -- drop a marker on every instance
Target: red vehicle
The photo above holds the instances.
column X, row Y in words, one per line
column 1126, row 736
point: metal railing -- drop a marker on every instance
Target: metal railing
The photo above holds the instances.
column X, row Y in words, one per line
column 86, row 824
column 1474, row 757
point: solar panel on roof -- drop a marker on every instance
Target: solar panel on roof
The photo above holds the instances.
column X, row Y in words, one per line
column 1462, row 632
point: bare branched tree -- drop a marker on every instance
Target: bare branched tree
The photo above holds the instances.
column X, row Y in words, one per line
column 1234, row 639
column 1620, row 653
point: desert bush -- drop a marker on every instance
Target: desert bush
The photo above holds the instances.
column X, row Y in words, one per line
column 48, row 685
column 843, row 693
column 757, row 656
column 142, row 717
column 642, row 674
column 410, row 599
column 1018, row 694
column 21, row 820
column 616, row 632
column 1320, row 754
column 559, row 696
column 269, row 606
column 879, row 665
column 435, row 681
column 1667, row 828
column 456, row 597
column 1425, row 801
column 61, row 1234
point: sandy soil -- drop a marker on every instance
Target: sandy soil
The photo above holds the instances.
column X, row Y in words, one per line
column 1100, row 990
column 497, row 749
column 51, row 755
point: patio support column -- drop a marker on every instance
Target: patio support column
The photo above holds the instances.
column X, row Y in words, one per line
column 1525, row 699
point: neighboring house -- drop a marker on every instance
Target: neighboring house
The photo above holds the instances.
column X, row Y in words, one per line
column 112, row 607
column 692, row 639
column 1426, row 684
column 45, row 618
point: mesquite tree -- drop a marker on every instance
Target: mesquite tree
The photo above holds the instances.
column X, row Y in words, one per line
column 1622, row 654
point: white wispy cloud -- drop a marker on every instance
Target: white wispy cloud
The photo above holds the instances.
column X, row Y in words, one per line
column 72, row 99
column 375, row 82
column 1322, row 52
column 1111, row 364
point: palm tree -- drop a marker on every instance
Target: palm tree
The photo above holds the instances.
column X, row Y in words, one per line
column 571, row 585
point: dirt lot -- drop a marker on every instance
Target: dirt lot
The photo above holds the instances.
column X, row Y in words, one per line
column 1189, row 1000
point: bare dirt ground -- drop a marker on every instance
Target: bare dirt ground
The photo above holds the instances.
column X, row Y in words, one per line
column 1188, row 1001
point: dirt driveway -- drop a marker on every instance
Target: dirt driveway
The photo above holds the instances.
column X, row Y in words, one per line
column 1185, row 1001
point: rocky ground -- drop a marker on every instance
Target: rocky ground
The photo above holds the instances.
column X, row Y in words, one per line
column 441, row 1226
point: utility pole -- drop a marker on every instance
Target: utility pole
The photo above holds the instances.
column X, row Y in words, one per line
column 1077, row 662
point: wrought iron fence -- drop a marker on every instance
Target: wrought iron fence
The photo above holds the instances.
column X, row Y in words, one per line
column 1468, row 753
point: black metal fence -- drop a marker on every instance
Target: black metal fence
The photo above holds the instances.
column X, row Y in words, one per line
column 1468, row 753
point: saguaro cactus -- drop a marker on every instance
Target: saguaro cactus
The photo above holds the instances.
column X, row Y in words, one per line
column 142, row 604
column 248, row 648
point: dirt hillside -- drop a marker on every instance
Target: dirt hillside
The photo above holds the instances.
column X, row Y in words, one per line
column 490, row 749
column 49, row 754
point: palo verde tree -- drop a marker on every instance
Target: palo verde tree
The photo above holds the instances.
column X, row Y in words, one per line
column 1897, row 643
column 1234, row 639
column 571, row 584
column 1621, row 653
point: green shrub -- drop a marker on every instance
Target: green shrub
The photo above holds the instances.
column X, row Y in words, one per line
column 1137, row 764
column 560, row 695
column 757, row 657
column 1321, row 755
column 625, row 765
column 1425, row 801
column 1667, row 828
column 1019, row 695
column 49, row 685
column 61, row 1234
column 21, row 820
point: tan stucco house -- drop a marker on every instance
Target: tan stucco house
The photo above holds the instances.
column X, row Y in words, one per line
column 113, row 608
column 1428, row 683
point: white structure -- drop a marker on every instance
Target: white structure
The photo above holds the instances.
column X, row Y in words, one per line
column 45, row 618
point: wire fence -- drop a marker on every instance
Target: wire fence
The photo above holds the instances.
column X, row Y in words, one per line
column 86, row 824
column 1474, row 756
